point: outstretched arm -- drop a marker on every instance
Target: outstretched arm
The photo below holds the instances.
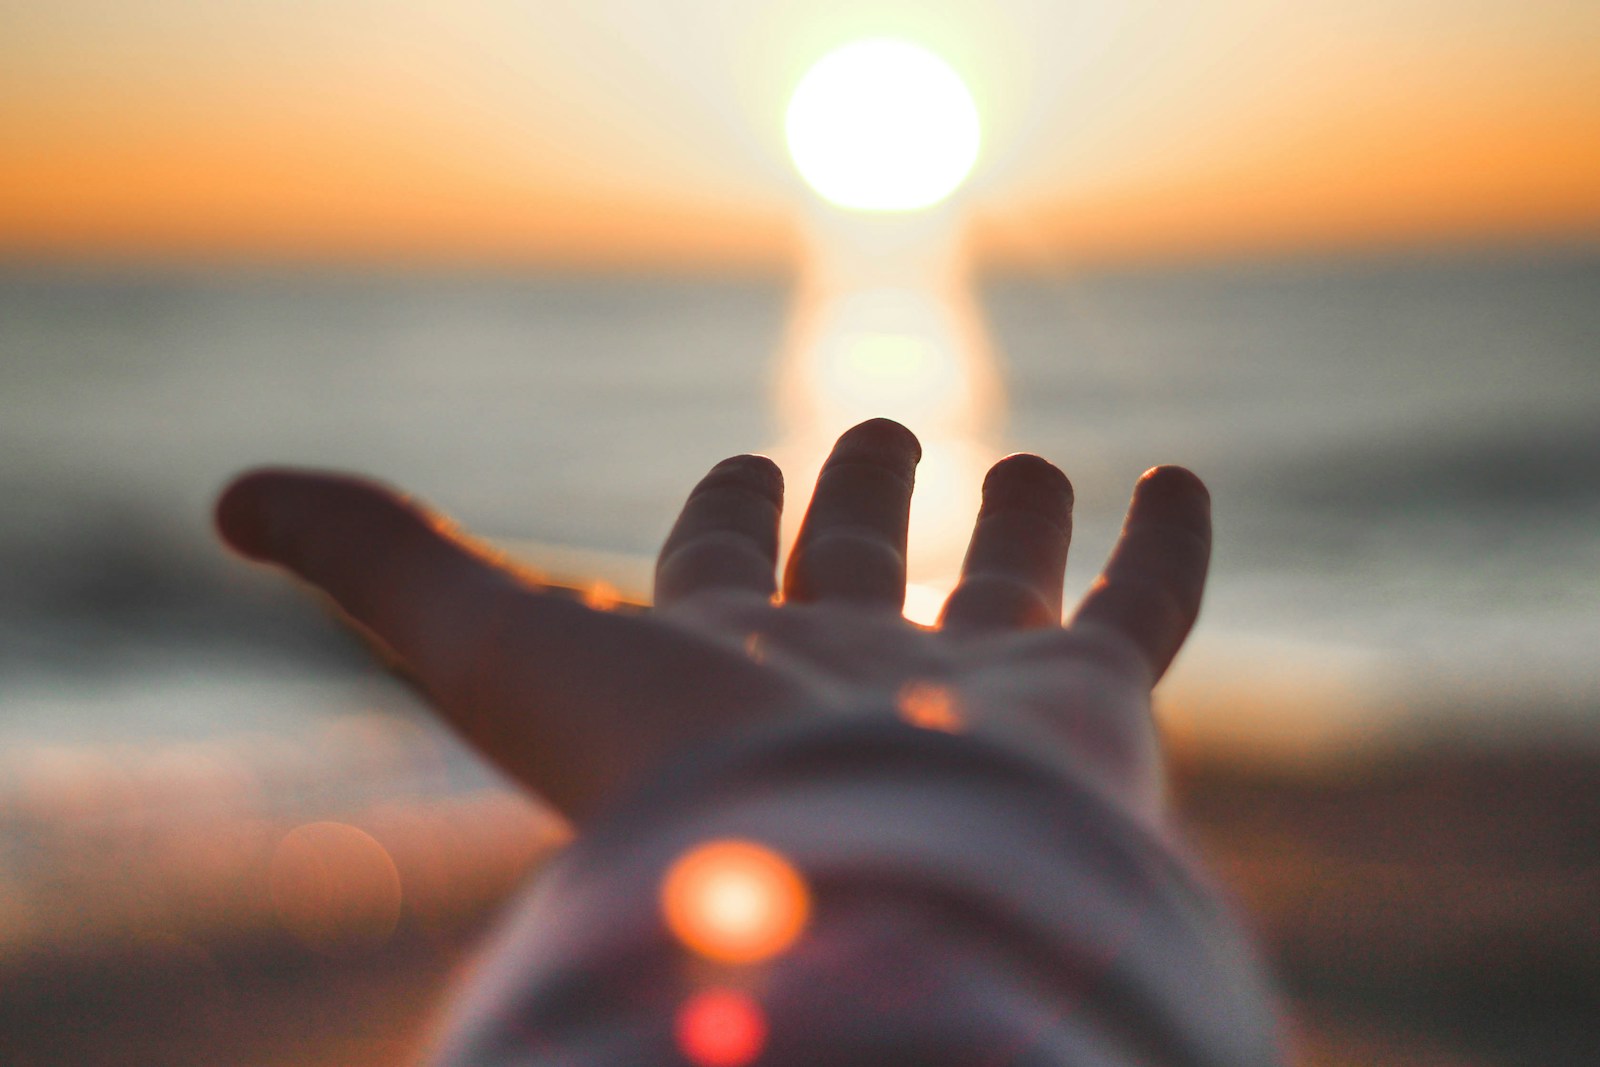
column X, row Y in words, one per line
column 967, row 817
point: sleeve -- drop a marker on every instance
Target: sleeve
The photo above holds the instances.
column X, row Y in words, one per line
column 867, row 893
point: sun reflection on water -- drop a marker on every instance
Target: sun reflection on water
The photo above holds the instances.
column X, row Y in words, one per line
column 885, row 324
column 916, row 352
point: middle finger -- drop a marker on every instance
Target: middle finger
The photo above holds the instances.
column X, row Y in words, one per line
column 1013, row 572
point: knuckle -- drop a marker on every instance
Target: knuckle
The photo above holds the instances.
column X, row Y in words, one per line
column 837, row 543
column 717, row 557
column 1153, row 601
column 1003, row 596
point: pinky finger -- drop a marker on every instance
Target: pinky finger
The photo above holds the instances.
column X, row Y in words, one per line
column 1149, row 592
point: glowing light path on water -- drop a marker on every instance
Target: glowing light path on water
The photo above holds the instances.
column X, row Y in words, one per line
column 885, row 323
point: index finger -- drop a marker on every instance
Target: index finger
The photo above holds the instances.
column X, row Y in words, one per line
column 726, row 537
column 1149, row 592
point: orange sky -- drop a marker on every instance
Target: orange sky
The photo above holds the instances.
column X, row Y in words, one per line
column 621, row 132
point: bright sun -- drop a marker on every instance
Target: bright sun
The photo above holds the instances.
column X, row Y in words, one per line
column 882, row 125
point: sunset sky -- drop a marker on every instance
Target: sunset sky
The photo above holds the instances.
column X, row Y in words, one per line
column 630, row 133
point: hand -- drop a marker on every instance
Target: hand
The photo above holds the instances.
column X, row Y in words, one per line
column 579, row 703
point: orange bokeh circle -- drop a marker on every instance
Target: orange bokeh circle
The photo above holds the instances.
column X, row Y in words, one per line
column 335, row 888
column 734, row 901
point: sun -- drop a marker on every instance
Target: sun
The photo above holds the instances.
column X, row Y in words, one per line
column 882, row 125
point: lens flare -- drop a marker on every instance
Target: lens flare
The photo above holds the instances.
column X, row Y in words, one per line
column 931, row 706
column 734, row 901
column 882, row 125
column 721, row 1028
column 335, row 888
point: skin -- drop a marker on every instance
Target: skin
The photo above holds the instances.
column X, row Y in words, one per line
column 580, row 704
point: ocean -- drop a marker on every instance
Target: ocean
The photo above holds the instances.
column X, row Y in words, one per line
column 1404, row 453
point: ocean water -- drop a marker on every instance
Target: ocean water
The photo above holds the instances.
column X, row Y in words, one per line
column 1404, row 455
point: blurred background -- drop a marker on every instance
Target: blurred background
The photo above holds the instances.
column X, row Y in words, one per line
column 544, row 263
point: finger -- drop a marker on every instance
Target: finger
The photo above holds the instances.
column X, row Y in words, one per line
column 1149, row 592
column 852, row 542
column 726, row 537
column 1017, row 560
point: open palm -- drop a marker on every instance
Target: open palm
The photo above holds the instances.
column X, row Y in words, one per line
column 580, row 703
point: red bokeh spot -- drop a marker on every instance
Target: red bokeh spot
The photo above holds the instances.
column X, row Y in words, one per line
column 721, row 1028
